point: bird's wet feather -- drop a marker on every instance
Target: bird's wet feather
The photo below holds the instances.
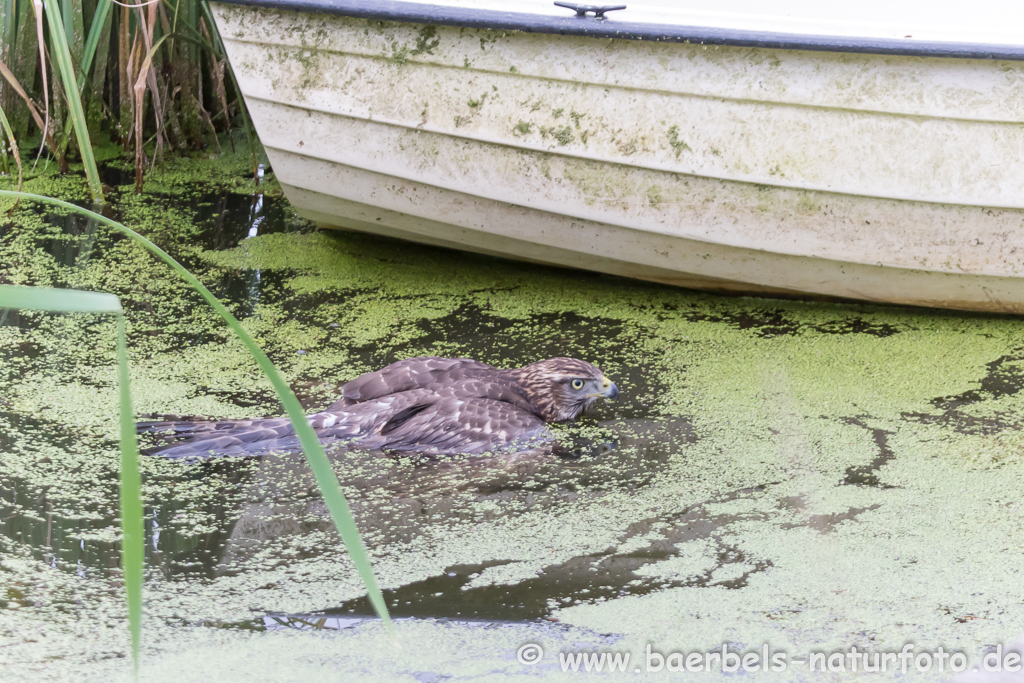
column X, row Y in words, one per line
column 428, row 404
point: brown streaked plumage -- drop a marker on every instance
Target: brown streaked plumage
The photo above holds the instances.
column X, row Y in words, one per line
column 432, row 405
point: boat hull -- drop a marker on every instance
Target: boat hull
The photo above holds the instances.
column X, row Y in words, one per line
column 882, row 178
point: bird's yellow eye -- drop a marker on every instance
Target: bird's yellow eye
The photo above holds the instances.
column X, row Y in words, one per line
column 577, row 384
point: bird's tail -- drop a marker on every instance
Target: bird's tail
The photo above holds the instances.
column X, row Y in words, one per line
column 204, row 438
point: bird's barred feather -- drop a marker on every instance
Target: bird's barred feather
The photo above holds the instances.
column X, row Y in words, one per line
column 427, row 404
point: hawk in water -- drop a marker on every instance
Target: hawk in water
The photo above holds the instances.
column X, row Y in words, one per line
column 430, row 405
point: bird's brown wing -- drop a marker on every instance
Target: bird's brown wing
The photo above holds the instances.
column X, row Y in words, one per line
column 459, row 424
column 465, row 416
column 203, row 438
column 408, row 374
column 469, row 416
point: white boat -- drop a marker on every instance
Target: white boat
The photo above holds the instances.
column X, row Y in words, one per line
column 798, row 153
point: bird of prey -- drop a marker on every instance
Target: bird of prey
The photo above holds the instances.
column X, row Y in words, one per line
column 429, row 405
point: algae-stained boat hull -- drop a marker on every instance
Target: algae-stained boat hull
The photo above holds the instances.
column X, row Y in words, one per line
column 879, row 169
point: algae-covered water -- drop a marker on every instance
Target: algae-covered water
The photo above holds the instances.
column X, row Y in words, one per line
column 803, row 476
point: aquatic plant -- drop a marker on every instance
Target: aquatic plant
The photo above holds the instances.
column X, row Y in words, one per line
column 83, row 67
column 131, row 506
column 11, row 144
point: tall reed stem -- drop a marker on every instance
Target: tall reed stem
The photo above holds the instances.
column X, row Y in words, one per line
column 62, row 55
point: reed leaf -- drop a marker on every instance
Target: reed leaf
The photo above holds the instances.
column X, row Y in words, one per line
column 132, row 529
column 250, row 131
column 124, row 56
column 94, row 81
column 62, row 55
column 140, row 93
column 8, row 38
column 24, row 59
column 183, row 107
column 311, row 446
column 33, row 110
column 99, row 21
column 37, row 10
column 57, row 300
column 12, row 142
column 8, row 35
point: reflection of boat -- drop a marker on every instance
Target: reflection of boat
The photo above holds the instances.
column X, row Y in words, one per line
column 867, row 164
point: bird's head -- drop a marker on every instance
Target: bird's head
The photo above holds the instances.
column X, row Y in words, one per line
column 562, row 388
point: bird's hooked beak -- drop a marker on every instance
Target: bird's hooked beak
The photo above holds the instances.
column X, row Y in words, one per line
column 610, row 390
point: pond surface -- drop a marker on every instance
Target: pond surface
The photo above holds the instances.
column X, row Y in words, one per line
column 811, row 477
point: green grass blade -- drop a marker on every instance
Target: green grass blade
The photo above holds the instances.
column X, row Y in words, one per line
column 66, row 10
column 8, row 33
column 99, row 19
column 6, row 130
column 132, row 534
column 61, row 54
column 58, row 300
column 132, row 530
column 311, row 446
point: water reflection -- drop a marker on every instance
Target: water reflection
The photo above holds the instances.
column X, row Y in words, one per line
column 79, row 540
column 396, row 500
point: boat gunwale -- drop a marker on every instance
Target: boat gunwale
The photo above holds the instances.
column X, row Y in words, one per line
column 419, row 13
column 419, row 60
